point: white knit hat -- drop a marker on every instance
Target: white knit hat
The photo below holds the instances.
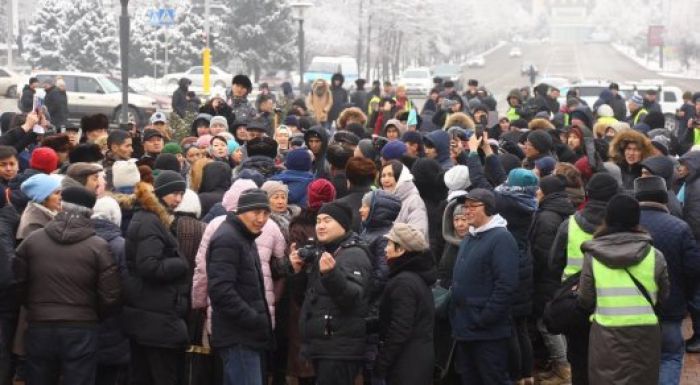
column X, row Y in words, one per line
column 125, row 173
column 457, row 178
column 107, row 208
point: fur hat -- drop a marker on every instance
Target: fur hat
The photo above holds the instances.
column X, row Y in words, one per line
column 79, row 196
column 58, row 143
column 86, row 152
column 651, row 189
column 262, row 147
column 407, row 236
column 540, row 140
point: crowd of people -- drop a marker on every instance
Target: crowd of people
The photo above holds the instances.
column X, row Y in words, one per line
column 347, row 238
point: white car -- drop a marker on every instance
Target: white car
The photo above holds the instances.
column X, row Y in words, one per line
column 418, row 80
column 92, row 93
column 515, row 52
column 217, row 77
column 476, row 61
column 9, row 82
column 669, row 97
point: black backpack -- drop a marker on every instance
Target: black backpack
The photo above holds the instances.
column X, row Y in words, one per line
column 563, row 314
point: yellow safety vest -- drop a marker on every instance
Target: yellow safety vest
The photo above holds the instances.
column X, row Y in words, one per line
column 609, row 120
column 574, row 255
column 641, row 112
column 696, row 136
column 374, row 99
column 619, row 302
column 512, row 115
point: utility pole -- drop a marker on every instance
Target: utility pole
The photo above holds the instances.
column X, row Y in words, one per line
column 9, row 37
column 369, row 36
column 206, row 54
column 359, row 38
column 124, row 52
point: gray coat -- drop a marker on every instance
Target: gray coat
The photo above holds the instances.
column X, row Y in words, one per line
column 413, row 209
column 691, row 204
column 622, row 355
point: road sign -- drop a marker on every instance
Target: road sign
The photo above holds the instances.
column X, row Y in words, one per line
column 655, row 35
column 161, row 17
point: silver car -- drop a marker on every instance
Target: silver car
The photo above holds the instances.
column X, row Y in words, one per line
column 8, row 82
column 217, row 77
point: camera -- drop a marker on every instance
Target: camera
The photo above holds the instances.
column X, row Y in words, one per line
column 309, row 253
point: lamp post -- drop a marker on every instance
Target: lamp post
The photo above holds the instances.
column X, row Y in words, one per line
column 298, row 9
column 124, row 53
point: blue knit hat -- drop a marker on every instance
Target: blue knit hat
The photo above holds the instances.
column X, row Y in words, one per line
column 298, row 159
column 521, row 177
column 40, row 186
column 393, row 150
column 546, row 165
column 232, row 146
column 636, row 99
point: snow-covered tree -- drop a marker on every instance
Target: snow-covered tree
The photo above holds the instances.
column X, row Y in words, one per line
column 91, row 40
column 43, row 42
column 261, row 34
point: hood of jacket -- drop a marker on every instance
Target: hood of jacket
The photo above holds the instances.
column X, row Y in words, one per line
column 592, row 216
column 337, row 76
column 147, row 200
column 619, row 250
column 419, row 262
column 190, row 204
column 661, row 166
column 319, row 84
column 495, row 222
column 69, row 227
column 384, row 209
column 448, row 230
column 297, row 181
column 520, row 198
column 691, row 160
column 215, row 177
column 559, row 203
column 405, row 186
column 106, row 229
column 260, row 163
column 460, row 119
column 441, row 141
column 321, row 133
column 230, row 200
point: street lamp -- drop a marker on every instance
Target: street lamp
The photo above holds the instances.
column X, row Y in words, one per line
column 124, row 52
column 298, row 9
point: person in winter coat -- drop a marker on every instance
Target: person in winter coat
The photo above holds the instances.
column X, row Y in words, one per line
column 624, row 347
column 407, row 311
column 26, row 101
column 675, row 240
column 339, row 96
column 316, row 139
column 483, row 287
column 56, row 102
column 187, row 227
column 429, row 179
column 565, row 260
column 45, row 194
column 361, row 173
column 297, row 175
column 360, row 98
column 66, row 295
column 378, row 213
column 336, row 304
column 113, row 345
column 179, row 98
column 554, row 207
column 9, row 306
column 261, row 157
column 663, row 166
column 539, row 144
column 320, row 102
column 397, row 178
column 241, row 321
column 237, row 98
column 437, row 146
column 217, row 106
column 627, row 150
column 157, row 288
column 216, row 179
column 385, row 112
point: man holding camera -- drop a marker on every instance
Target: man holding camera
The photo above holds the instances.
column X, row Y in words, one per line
column 333, row 316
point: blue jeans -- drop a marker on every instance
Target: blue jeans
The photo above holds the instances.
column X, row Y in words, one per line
column 70, row 351
column 242, row 366
column 672, row 351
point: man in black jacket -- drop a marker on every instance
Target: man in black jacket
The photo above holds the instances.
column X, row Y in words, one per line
column 9, row 219
column 26, row 101
column 241, row 323
column 333, row 315
column 179, row 100
column 56, row 102
column 157, row 290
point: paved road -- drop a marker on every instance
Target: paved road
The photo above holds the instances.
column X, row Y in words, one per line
column 582, row 61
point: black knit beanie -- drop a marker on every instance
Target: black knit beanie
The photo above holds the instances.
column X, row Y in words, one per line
column 167, row 161
column 169, row 182
column 602, row 187
column 651, row 189
column 541, row 141
column 340, row 212
column 622, row 212
column 252, row 199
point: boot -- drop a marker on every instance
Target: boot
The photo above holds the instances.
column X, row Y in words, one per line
column 561, row 374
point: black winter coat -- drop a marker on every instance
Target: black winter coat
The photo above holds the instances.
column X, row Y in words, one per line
column 552, row 211
column 340, row 100
column 9, row 219
column 332, row 319
column 26, row 101
column 57, row 104
column 354, row 199
column 216, row 180
column 179, row 101
column 239, row 310
column 406, row 317
column 157, row 288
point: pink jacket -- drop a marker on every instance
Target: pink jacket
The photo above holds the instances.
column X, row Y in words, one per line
column 270, row 244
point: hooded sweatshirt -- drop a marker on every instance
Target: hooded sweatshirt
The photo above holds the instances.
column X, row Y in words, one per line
column 440, row 140
column 321, row 167
column 297, row 182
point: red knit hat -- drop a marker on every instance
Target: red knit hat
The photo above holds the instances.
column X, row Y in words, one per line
column 584, row 167
column 320, row 191
column 44, row 159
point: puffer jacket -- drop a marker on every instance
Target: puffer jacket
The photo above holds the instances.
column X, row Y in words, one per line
column 79, row 283
column 384, row 208
column 216, row 179
column 552, row 211
column 157, row 287
column 440, row 140
column 270, row 245
column 8, row 227
column 240, row 313
column 297, row 182
column 622, row 355
column 413, row 211
column 260, row 163
column 342, row 295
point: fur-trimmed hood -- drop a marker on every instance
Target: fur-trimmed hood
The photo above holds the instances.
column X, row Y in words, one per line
column 540, row 124
column 354, row 114
column 147, row 200
column 620, row 141
column 460, row 119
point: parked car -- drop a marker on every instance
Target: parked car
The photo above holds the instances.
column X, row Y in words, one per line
column 451, row 72
column 217, row 77
column 418, row 80
column 669, row 97
column 588, row 90
column 323, row 67
column 9, row 81
column 476, row 61
column 515, row 52
column 92, row 93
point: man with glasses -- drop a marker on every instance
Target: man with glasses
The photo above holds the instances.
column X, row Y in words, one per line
column 484, row 284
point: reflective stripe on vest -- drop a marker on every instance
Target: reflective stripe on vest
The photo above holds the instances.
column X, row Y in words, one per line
column 618, row 301
column 641, row 112
column 574, row 255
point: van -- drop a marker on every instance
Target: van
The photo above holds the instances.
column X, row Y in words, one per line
column 323, row 67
